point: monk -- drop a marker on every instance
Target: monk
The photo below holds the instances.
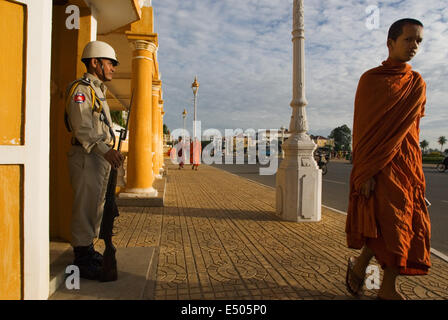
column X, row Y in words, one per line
column 178, row 151
column 195, row 154
column 387, row 215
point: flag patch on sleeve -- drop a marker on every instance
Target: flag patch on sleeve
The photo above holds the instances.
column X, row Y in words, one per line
column 79, row 97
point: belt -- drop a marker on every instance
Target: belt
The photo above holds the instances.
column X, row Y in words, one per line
column 75, row 142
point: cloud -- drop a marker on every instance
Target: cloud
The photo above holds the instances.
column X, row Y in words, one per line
column 241, row 52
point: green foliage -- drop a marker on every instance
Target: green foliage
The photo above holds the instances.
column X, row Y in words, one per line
column 165, row 129
column 434, row 154
column 441, row 141
column 424, row 144
column 342, row 138
column 432, row 159
column 117, row 117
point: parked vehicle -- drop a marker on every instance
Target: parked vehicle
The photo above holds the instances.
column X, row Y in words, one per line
column 441, row 167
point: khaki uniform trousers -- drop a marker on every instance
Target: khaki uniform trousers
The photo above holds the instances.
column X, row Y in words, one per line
column 89, row 174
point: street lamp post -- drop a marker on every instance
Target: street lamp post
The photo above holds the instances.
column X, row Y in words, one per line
column 184, row 116
column 194, row 87
column 299, row 179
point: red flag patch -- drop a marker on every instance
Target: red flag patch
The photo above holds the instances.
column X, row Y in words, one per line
column 79, row 97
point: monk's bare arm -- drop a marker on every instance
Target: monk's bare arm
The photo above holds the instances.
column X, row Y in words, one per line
column 368, row 187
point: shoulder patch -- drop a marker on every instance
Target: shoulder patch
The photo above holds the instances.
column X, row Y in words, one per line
column 79, row 97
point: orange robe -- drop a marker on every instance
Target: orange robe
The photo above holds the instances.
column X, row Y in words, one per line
column 394, row 221
column 195, row 153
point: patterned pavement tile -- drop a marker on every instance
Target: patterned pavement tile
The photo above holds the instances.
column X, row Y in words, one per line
column 220, row 238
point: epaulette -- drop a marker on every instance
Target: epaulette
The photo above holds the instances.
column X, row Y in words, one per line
column 86, row 81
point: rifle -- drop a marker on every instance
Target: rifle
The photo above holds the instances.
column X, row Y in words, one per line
column 109, row 269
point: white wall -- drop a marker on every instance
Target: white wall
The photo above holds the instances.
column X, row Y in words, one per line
column 34, row 154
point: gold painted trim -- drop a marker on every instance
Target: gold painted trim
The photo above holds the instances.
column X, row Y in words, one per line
column 142, row 57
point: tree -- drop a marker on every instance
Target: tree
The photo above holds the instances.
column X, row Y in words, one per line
column 117, row 117
column 441, row 141
column 342, row 138
column 165, row 129
column 424, row 144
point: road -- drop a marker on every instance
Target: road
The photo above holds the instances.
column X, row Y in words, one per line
column 335, row 190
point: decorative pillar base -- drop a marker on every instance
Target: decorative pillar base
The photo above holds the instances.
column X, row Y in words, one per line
column 299, row 182
column 138, row 193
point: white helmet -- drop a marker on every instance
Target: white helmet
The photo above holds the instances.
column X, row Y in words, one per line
column 99, row 49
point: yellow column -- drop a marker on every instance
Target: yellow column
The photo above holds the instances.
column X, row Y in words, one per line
column 139, row 168
column 156, row 84
column 161, row 114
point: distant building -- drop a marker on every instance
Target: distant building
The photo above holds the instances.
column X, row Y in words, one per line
column 323, row 142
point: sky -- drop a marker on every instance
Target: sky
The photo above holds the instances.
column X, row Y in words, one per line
column 241, row 52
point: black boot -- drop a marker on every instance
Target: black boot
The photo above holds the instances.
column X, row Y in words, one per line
column 96, row 256
column 87, row 262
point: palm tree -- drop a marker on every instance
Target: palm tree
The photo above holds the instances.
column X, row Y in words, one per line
column 441, row 141
column 424, row 144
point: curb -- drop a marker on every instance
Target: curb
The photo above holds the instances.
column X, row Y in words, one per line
column 433, row 251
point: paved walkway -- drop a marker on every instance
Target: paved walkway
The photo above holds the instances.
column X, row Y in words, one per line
column 219, row 238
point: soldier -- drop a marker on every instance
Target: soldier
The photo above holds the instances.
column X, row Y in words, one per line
column 91, row 156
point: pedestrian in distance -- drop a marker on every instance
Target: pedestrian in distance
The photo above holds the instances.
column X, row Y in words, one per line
column 180, row 153
column 87, row 117
column 387, row 215
column 195, row 154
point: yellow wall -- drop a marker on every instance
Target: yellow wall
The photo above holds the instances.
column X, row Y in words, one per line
column 12, row 57
column 12, row 77
column 146, row 24
column 11, row 229
column 67, row 47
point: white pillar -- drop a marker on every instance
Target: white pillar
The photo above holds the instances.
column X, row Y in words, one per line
column 299, row 179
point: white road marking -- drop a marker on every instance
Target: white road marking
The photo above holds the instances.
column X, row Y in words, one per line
column 335, row 210
column 439, row 254
column 332, row 181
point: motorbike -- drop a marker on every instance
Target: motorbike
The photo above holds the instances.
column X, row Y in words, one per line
column 322, row 163
column 441, row 167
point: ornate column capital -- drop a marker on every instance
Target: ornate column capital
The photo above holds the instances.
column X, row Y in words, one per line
column 149, row 37
column 298, row 16
column 144, row 45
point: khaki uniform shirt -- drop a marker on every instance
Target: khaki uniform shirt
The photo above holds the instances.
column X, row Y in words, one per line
column 86, row 124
